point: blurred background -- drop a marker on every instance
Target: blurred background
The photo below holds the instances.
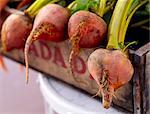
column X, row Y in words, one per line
column 17, row 97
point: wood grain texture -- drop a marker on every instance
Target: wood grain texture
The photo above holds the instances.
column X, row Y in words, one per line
column 52, row 59
column 147, row 84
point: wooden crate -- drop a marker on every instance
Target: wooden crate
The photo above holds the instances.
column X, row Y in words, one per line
column 141, row 80
column 52, row 60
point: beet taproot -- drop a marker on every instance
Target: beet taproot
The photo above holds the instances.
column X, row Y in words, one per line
column 110, row 69
column 50, row 24
column 85, row 30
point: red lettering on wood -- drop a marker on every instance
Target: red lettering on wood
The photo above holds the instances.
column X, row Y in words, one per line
column 79, row 65
column 58, row 58
column 33, row 50
column 45, row 51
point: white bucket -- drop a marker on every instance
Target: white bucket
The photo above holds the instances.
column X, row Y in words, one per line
column 61, row 98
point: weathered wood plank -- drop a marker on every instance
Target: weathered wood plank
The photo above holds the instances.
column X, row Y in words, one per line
column 147, row 85
column 143, row 50
column 52, row 58
column 138, row 71
column 141, row 80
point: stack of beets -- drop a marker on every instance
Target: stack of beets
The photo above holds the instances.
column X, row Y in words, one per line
column 85, row 28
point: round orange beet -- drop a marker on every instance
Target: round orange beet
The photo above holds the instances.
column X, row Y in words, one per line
column 15, row 31
column 110, row 69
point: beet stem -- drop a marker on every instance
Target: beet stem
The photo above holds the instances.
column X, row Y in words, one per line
column 36, row 6
column 114, row 25
column 125, row 26
column 71, row 5
column 101, row 8
column 124, row 17
column 36, row 11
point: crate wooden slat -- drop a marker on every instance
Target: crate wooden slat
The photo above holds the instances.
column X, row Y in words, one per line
column 146, row 97
column 52, row 59
column 141, row 79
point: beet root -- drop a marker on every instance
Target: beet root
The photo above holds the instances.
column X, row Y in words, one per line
column 85, row 30
column 110, row 69
column 50, row 24
column 15, row 31
column 89, row 27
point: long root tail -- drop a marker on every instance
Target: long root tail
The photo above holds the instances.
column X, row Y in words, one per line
column 75, row 49
column 107, row 94
column 98, row 92
column 34, row 35
column 107, row 89
column 107, row 97
column 74, row 52
column 26, row 51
